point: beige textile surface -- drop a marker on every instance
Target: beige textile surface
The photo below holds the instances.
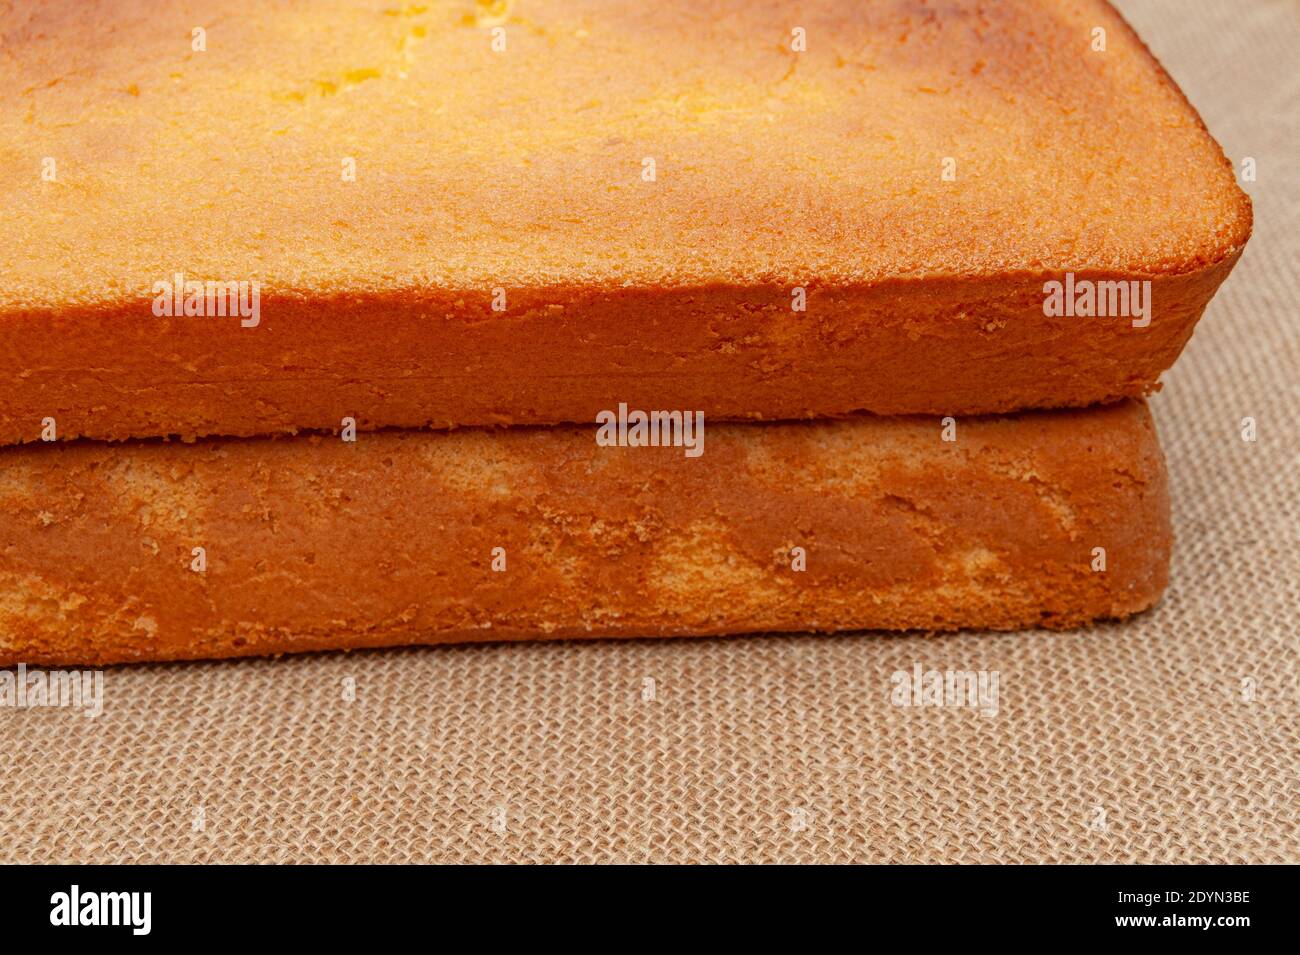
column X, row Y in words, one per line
column 1173, row 738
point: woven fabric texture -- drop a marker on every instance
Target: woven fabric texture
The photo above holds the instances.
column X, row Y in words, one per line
column 1171, row 738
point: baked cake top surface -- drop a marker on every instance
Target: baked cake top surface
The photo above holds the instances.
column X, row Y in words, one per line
column 527, row 166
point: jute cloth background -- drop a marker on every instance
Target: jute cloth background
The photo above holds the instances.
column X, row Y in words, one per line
column 1138, row 742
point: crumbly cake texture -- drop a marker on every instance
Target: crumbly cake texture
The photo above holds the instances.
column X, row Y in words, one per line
column 314, row 543
column 523, row 170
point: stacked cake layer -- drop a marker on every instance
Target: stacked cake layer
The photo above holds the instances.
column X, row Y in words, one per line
column 334, row 246
column 226, row 547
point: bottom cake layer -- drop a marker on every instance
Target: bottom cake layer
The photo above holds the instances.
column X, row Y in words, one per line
column 156, row 551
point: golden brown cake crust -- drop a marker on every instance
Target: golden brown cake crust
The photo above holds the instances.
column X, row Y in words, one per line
column 313, row 543
column 522, row 170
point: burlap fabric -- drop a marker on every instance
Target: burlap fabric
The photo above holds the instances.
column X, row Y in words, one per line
column 1172, row 738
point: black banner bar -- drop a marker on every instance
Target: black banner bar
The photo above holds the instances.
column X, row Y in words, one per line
column 1225, row 905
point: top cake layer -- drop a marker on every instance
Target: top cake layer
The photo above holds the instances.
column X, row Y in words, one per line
column 922, row 165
